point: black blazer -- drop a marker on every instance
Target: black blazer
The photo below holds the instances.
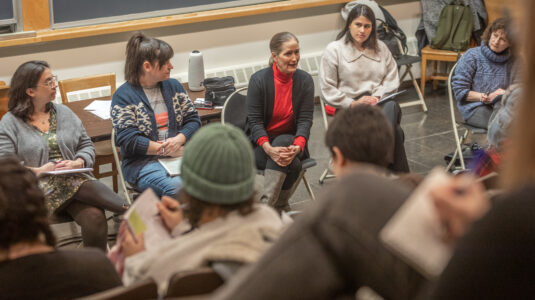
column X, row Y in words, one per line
column 261, row 99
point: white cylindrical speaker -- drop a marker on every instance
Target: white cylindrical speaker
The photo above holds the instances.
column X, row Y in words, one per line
column 196, row 71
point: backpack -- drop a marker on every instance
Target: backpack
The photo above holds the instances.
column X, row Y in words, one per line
column 454, row 28
column 218, row 89
column 389, row 32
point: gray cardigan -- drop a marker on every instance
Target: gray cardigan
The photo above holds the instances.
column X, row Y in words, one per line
column 24, row 140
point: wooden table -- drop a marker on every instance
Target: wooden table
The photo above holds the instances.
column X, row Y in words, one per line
column 100, row 130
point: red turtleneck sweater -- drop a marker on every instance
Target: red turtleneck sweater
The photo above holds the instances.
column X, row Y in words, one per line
column 283, row 119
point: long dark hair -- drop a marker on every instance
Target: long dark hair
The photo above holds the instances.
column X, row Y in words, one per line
column 26, row 76
column 275, row 45
column 23, row 214
column 141, row 48
column 357, row 11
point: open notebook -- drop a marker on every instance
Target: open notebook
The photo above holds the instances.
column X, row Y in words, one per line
column 171, row 165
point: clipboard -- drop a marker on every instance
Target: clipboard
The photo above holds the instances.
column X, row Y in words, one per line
column 390, row 97
column 62, row 172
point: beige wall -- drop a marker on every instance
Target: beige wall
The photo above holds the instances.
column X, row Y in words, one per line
column 223, row 43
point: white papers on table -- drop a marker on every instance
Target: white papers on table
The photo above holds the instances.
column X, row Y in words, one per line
column 415, row 233
column 101, row 108
column 171, row 165
column 61, row 172
column 143, row 217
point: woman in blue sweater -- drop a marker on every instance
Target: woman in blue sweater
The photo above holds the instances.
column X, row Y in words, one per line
column 152, row 115
column 483, row 73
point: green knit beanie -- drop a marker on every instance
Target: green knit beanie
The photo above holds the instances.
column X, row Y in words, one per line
column 218, row 165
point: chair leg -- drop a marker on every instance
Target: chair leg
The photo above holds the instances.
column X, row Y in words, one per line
column 326, row 174
column 460, row 149
column 114, row 177
column 417, row 88
column 309, row 189
column 435, row 82
column 423, row 73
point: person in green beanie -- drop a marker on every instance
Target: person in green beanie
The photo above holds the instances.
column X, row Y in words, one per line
column 215, row 219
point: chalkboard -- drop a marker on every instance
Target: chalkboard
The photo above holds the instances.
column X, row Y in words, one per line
column 67, row 13
column 7, row 12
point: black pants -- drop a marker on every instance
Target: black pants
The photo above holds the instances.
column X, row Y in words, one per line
column 263, row 161
column 87, row 207
column 392, row 112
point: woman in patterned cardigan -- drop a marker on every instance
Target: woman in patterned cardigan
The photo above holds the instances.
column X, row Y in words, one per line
column 152, row 115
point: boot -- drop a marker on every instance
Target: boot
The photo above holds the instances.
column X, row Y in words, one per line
column 285, row 195
column 282, row 204
column 273, row 181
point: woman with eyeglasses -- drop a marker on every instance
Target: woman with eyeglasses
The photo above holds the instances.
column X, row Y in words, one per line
column 358, row 68
column 49, row 137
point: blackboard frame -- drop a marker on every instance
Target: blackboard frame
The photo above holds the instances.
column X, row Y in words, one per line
column 156, row 13
column 13, row 20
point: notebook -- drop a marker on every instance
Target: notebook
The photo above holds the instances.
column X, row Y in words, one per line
column 81, row 170
column 390, row 97
column 143, row 217
column 171, row 165
column 414, row 233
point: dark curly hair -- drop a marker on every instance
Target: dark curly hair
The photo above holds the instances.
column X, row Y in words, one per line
column 23, row 214
column 141, row 48
column 26, row 76
column 363, row 134
column 195, row 207
column 500, row 23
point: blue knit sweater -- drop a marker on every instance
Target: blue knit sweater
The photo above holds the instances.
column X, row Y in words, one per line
column 480, row 70
column 135, row 124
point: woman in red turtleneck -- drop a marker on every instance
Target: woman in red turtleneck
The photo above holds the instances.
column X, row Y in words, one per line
column 280, row 106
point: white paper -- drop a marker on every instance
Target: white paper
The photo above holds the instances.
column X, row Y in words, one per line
column 101, row 114
column 171, row 165
column 155, row 232
column 415, row 233
column 100, row 108
column 81, row 170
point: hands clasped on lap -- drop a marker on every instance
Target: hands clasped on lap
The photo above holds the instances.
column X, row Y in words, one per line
column 173, row 147
column 283, row 156
column 488, row 98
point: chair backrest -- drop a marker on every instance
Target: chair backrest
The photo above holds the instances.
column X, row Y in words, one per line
column 4, row 99
column 84, row 83
column 194, row 282
column 235, row 109
column 117, row 159
column 145, row 289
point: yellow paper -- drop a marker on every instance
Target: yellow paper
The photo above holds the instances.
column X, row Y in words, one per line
column 136, row 223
